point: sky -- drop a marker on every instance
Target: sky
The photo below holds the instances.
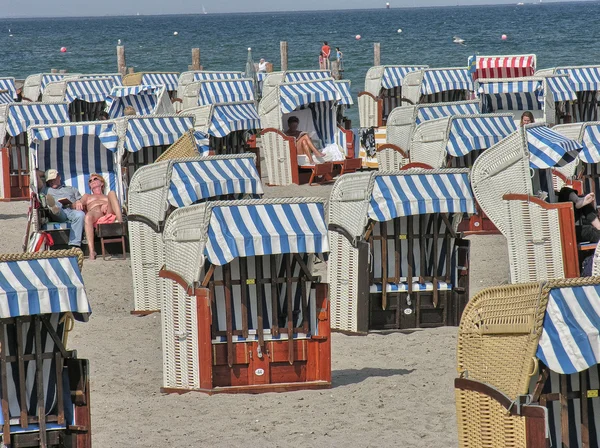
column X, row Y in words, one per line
column 64, row 8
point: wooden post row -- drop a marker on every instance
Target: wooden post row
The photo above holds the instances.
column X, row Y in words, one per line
column 121, row 64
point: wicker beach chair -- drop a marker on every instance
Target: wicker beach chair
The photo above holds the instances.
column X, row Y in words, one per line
column 396, row 261
column 249, row 316
column 502, row 67
column 35, row 85
column 190, row 76
column 167, row 79
column 437, row 85
column 145, row 100
column 45, row 387
column 508, row 347
column 15, row 118
column 157, row 189
column 217, row 91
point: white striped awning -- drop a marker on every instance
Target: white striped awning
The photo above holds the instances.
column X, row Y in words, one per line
column 202, row 179
column 393, row 75
column 530, row 85
column 419, row 192
column 106, row 133
column 144, row 99
column 299, row 94
column 227, row 118
column 591, row 144
column 208, row 76
column 435, row 81
column 426, row 112
column 117, row 78
column 225, row 91
column 548, row 149
column 6, row 97
column 89, row 90
column 44, row 286
column 569, row 340
column 344, row 88
column 48, row 78
column 307, row 75
column 514, row 95
column 583, row 78
column 562, row 88
column 479, row 132
column 504, row 66
column 154, row 131
column 265, row 229
column 9, row 84
column 169, row 80
column 22, row 115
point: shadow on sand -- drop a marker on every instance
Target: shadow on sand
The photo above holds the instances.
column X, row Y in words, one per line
column 353, row 376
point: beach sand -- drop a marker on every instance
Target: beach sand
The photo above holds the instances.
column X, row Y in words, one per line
column 388, row 390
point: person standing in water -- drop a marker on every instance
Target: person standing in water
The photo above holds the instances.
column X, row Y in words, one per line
column 340, row 58
column 326, row 50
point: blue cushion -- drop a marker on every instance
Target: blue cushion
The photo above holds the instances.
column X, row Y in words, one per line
column 403, row 287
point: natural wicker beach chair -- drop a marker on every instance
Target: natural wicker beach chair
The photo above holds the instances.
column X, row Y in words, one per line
column 528, row 374
column 167, row 79
column 45, row 387
column 217, row 91
column 145, row 100
column 396, row 261
column 437, row 85
column 158, row 189
column 15, row 118
column 188, row 77
column 35, row 85
column 245, row 312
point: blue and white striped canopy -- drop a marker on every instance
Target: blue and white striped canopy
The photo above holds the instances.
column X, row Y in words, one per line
column 513, row 95
column 77, row 151
column 22, row 115
column 202, row 143
column 296, row 95
column 228, row 91
column 548, row 149
column 169, row 80
column 9, row 84
column 591, row 144
column 265, row 229
column 480, row 132
column 435, row 81
column 324, row 119
column 418, row 193
column 48, row 78
column 89, row 90
column 569, row 340
column 393, row 75
column 202, row 179
column 562, row 88
column 6, row 97
column 426, row 112
column 117, row 78
column 260, row 76
column 207, row 76
column 530, row 85
column 583, row 78
column 344, row 88
column 154, row 131
column 43, row 286
column 144, row 99
column 227, row 118
column 306, row 75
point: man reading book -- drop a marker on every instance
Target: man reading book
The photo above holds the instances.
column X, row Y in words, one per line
column 68, row 207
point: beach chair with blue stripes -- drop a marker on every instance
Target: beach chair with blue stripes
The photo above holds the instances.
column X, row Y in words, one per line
column 35, row 85
column 8, row 85
column 251, row 316
column 44, row 386
column 218, row 91
column 528, row 366
column 145, row 100
column 273, row 79
column 437, row 85
column 546, row 97
column 540, row 235
column 76, row 151
column 396, row 260
column 158, row 189
column 401, row 124
column 315, row 103
column 169, row 80
column 191, row 76
column 86, row 95
column 15, row 118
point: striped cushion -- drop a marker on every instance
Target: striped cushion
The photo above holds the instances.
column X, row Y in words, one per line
column 403, row 287
column 56, row 226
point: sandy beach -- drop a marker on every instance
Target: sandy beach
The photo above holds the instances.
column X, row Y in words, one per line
column 388, row 390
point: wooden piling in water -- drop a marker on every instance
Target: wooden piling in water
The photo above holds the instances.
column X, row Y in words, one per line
column 283, row 47
column 335, row 70
column 196, row 59
column 376, row 53
column 121, row 64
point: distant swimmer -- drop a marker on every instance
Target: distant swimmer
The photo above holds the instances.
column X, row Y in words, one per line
column 458, row 40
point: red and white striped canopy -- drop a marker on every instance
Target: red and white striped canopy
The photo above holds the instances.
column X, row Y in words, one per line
column 504, row 66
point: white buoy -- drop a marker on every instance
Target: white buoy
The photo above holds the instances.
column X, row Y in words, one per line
column 249, row 48
column 175, row 33
column 358, row 37
column 399, row 30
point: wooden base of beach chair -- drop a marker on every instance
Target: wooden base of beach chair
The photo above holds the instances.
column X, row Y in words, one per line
column 112, row 233
column 320, row 173
column 255, row 389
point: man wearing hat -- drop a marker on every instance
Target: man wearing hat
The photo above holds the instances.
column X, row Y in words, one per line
column 68, row 206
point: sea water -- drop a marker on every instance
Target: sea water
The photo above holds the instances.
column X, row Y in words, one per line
column 559, row 33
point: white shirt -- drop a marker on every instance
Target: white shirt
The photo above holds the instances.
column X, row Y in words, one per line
column 262, row 67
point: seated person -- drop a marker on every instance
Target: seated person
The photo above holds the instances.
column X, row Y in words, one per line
column 585, row 213
column 101, row 209
column 527, row 118
column 65, row 205
column 303, row 142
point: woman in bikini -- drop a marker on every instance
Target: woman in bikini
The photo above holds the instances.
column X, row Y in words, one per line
column 303, row 141
column 100, row 208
